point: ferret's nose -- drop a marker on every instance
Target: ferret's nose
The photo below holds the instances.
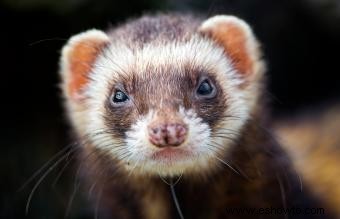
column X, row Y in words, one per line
column 167, row 135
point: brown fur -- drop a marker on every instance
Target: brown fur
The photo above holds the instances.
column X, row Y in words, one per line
column 263, row 175
column 156, row 29
column 265, row 180
column 119, row 119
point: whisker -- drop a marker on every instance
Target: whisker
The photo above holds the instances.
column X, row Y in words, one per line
column 75, row 189
column 42, row 178
column 227, row 164
column 97, row 204
column 236, row 170
column 46, row 40
column 51, row 164
column 282, row 190
column 223, row 136
column 166, row 182
column 179, row 178
column 173, row 194
column 134, row 167
column 91, row 189
column 61, row 171
column 43, row 167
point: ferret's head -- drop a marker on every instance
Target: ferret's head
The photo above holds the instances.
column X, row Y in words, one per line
column 169, row 106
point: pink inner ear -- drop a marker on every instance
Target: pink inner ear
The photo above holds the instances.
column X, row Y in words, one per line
column 81, row 59
column 233, row 38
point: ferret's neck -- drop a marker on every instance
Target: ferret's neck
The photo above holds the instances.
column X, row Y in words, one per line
column 253, row 175
column 258, row 176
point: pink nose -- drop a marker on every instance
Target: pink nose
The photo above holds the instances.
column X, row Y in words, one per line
column 167, row 135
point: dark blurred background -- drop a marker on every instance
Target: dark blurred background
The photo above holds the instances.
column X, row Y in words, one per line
column 301, row 41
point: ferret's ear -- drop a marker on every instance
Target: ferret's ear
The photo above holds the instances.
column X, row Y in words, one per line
column 78, row 57
column 238, row 41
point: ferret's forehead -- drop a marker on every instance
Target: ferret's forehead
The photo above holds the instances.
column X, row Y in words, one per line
column 121, row 61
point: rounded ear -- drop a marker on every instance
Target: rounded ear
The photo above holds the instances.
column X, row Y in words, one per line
column 238, row 41
column 77, row 59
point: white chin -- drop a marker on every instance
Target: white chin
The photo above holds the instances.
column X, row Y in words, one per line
column 170, row 162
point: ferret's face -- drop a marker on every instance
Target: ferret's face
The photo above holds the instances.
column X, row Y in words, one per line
column 166, row 109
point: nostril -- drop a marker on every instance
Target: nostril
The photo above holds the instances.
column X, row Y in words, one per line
column 155, row 130
column 181, row 130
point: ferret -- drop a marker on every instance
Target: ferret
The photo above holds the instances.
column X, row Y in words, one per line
column 173, row 123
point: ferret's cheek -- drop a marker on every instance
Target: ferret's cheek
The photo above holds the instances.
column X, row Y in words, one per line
column 118, row 120
column 136, row 139
column 198, row 130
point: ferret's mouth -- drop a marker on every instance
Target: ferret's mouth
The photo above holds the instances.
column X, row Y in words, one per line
column 171, row 154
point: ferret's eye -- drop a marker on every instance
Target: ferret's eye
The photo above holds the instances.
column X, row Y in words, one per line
column 119, row 97
column 206, row 89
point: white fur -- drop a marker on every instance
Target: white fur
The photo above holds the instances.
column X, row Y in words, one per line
column 195, row 145
column 199, row 52
column 68, row 49
column 76, row 110
column 116, row 61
